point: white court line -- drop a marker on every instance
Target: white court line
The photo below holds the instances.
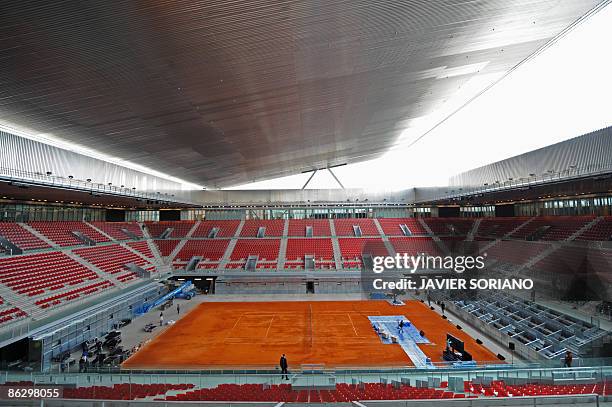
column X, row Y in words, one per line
column 235, row 325
column 351, row 319
column 270, row 325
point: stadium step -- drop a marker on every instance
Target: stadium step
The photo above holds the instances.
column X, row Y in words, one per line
column 425, row 226
column 335, row 245
column 9, row 247
column 95, row 269
column 39, row 235
column 182, row 243
column 282, row 253
column 100, row 231
column 230, row 247
column 473, row 230
column 507, row 235
column 155, row 250
column 435, row 238
column 88, row 241
column 176, row 250
column 136, row 252
column 11, row 297
column 519, row 227
column 586, row 227
column 533, row 260
column 554, row 246
column 385, row 238
column 145, row 230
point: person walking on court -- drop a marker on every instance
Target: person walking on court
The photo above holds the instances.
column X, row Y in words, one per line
column 283, row 366
column 161, row 318
column 178, row 309
column 443, row 306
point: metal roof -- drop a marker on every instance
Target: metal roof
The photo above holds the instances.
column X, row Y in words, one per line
column 224, row 92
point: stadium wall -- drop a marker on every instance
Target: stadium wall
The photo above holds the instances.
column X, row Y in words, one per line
column 293, row 196
column 286, row 285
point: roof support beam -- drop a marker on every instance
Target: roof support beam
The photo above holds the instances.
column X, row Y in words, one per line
column 309, row 178
column 336, row 178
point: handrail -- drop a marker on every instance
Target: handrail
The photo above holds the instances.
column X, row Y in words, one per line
column 531, row 180
column 541, row 367
column 15, row 175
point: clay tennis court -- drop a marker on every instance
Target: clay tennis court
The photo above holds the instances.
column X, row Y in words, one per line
column 255, row 334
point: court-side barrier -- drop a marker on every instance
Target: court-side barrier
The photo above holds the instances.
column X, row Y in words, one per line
column 210, row 378
column 582, row 400
column 322, row 368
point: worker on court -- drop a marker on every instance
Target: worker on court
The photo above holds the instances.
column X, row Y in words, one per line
column 283, row 366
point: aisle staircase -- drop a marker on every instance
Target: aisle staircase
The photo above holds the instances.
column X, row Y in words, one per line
column 385, row 238
column 39, row 235
column 230, row 247
column 100, row 231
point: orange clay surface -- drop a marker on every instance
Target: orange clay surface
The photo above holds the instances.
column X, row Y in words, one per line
column 255, row 334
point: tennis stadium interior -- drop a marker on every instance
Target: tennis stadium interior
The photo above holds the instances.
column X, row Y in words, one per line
column 140, row 265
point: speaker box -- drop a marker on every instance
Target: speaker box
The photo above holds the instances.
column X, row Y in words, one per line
column 459, row 327
column 443, row 316
column 422, row 333
column 511, row 346
column 500, row 357
column 478, row 341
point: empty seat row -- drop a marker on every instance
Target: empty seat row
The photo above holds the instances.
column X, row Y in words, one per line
column 179, row 228
column 116, row 230
column 225, row 228
column 319, row 265
column 123, row 391
column 21, row 237
column 320, row 227
column 552, row 227
column 391, row 226
column 516, row 252
column 498, row 227
column 414, row 246
column 166, row 247
column 9, row 313
column 36, row 274
column 284, row 393
column 318, row 247
column 498, row 388
column 143, row 248
column 61, row 232
column 352, row 248
column 266, row 249
column 111, row 259
column 73, row 294
column 450, row 226
column 346, row 227
column 209, row 249
column 602, row 231
column 274, row 227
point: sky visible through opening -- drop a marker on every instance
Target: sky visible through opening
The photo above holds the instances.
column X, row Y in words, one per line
column 562, row 93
